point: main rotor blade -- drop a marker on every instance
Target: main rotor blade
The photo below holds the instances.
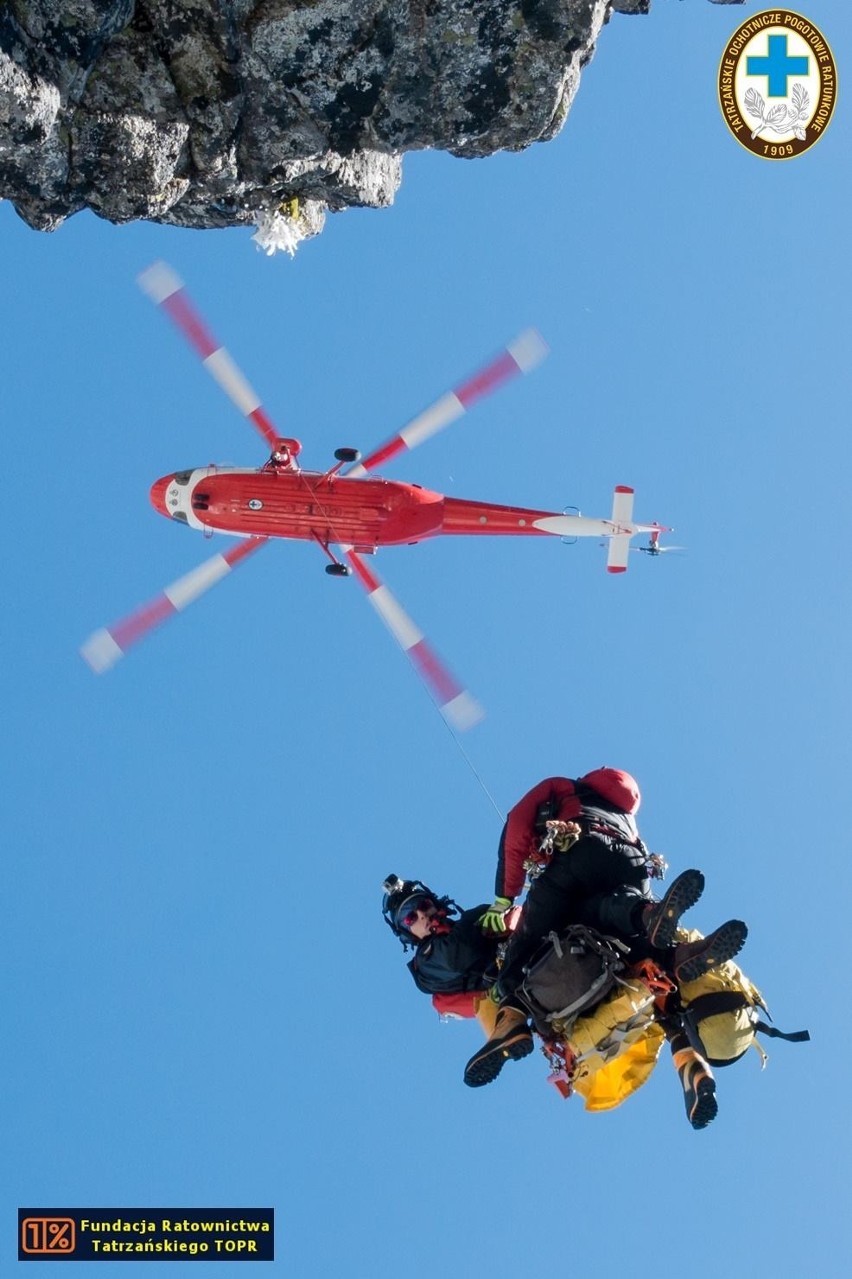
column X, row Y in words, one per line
column 527, row 350
column 167, row 289
column 458, row 707
column 103, row 648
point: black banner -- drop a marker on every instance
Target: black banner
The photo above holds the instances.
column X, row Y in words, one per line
column 146, row 1234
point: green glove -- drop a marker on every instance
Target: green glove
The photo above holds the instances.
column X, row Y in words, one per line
column 494, row 919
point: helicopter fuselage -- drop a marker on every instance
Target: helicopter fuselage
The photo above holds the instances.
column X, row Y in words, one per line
column 334, row 509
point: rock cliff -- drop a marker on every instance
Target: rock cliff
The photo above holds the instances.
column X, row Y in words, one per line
column 210, row 113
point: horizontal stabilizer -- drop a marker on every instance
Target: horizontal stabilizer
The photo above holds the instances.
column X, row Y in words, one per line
column 618, row 549
column 622, row 505
column 618, row 553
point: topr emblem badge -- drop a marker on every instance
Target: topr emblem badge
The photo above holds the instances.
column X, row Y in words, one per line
column 777, row 84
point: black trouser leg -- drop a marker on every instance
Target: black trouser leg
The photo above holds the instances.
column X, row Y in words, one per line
column 590, row 871
column 618, row 914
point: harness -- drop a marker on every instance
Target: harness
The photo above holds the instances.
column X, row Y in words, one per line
column 609, row 834
column 731, row 1001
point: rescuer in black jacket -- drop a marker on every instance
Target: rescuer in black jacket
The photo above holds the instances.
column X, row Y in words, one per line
column 452, row 955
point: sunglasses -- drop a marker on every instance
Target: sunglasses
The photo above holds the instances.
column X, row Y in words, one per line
column 423, row 904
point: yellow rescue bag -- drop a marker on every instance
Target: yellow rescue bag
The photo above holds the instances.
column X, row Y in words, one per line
column 720, row 1013
column 609, row 1086
column 615, row 1046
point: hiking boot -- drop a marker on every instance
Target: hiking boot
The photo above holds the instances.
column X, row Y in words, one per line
column 510, row 1040
column 699, row 1087
column 661, row 919
column 693, row 959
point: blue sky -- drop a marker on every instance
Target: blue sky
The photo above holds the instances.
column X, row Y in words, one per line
column 202, row 1006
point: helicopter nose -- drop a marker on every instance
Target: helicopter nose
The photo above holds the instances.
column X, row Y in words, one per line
column 158, row 494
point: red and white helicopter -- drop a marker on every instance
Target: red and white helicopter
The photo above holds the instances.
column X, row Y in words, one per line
column 350, row 511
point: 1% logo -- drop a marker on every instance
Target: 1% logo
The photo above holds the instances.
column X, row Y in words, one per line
column 48, row 1235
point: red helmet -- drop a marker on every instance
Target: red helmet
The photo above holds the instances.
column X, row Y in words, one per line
column 616, row 786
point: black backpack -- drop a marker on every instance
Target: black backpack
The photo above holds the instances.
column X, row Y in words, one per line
column 570, row 974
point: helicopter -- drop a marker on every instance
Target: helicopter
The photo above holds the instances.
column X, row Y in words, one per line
column 347, row 513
